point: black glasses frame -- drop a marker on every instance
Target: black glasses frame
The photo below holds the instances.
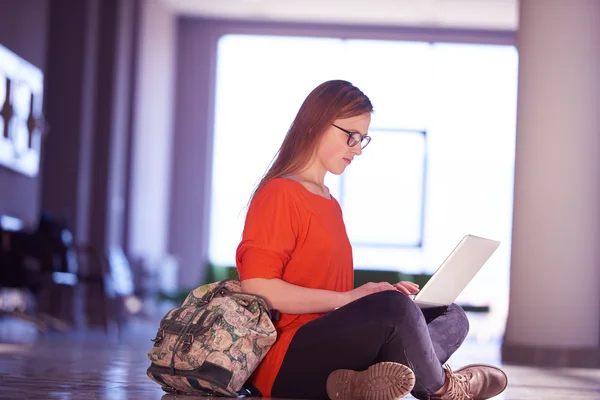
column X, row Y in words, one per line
column 355, row 138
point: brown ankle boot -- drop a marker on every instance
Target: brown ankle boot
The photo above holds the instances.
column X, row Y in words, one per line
column 382, row 381
column 474, row 382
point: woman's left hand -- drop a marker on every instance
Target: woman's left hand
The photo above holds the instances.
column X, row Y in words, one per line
column 406, row 287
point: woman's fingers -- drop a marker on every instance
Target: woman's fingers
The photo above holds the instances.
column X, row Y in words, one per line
column 405, row 287
column 400, row 287
column 410, row 284
column 411, row 287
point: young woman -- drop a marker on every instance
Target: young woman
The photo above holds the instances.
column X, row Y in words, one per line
column 371, row 342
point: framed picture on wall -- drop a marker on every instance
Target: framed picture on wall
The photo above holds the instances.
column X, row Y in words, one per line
column 21, row 116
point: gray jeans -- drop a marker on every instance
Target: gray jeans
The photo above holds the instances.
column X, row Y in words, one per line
column 385, row 326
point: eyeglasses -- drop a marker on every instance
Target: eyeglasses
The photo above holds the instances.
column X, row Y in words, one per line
column 355, row 138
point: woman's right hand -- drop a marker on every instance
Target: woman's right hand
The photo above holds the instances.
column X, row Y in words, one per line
column 367, row 289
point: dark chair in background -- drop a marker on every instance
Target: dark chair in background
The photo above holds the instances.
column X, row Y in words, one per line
column 107, row 283
column 30, row 262
column 48, row 280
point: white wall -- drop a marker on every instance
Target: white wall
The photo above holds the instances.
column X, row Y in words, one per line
column 462, row 14
column 152, row 133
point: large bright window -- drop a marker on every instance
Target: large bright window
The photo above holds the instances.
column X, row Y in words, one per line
column 440, row 164
column 383, row 193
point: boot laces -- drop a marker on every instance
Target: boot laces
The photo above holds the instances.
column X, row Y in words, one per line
column 458, row 386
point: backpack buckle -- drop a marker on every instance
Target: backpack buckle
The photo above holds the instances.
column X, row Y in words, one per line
column 160, row 335
column 188, row 339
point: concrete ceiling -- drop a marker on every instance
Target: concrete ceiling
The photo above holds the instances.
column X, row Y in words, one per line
column 466, row 14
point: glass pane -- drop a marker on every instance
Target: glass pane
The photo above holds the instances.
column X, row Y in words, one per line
column 383, row 190
column 464, row 96
column 261, row 83
column 397, row 78
column 21, row 104
column 333, row 182
column 2, row 99
column 2, row 88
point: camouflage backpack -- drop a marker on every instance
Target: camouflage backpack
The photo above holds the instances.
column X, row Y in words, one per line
column 213, row 342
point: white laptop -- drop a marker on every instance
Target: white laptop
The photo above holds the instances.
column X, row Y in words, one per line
column 456, row 272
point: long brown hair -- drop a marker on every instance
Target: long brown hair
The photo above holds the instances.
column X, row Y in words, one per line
column 329, row 101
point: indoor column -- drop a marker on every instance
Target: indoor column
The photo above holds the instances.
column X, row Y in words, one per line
column 554, row 313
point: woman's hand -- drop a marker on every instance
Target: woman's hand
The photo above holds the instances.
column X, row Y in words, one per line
column 367, row 289
column 406, row 287
column 293, row 299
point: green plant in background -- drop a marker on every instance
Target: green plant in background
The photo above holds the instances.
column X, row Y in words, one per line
column 216, row 273
column 362, row 276
column 213, row 273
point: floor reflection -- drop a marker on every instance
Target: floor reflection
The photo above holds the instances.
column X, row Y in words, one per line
column 90, row 365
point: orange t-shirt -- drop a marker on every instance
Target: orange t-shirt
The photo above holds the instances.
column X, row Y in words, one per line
column 299, row 237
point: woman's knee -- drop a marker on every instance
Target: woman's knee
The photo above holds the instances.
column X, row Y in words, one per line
column 389, row 298
column 395, row 306
column 459, row 320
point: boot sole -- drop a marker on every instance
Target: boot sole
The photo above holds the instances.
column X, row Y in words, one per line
column 382, row 381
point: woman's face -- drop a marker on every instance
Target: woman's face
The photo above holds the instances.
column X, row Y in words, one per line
column 333, row 152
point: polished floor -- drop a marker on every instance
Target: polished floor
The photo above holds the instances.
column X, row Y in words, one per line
column 90, row 365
